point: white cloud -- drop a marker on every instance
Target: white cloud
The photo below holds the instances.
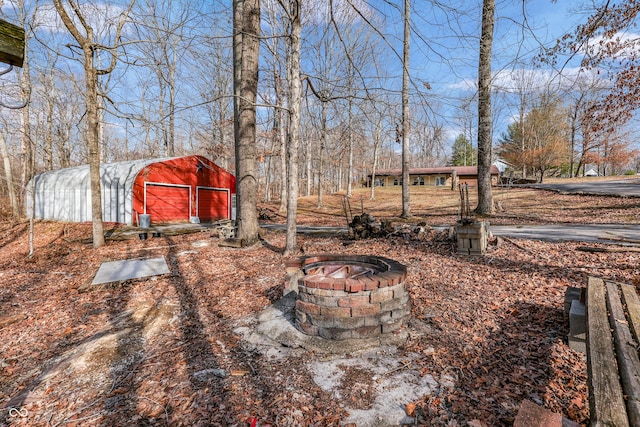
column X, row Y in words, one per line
column 539, row 80
column 622, row 45
column 536, row 80
column 465, row 84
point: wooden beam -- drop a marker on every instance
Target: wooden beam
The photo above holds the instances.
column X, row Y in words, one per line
column 607, row 249
column 606, row 402
column 626, row 354
column 11, row 44
column 630, row 299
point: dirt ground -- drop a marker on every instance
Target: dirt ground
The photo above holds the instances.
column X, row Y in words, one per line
column 164, row 351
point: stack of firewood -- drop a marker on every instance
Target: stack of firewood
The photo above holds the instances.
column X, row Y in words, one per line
column 366, row 226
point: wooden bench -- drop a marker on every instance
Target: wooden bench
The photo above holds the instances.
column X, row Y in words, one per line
column 613, row 324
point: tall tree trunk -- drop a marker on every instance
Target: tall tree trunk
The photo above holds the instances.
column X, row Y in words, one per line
column 406, row 205
column 523, row 146
column 485, row 197
column 8, row 174
column 295, row 92
column 84, row 38
column 164, row 148
column 91, row 100
column 323, row 147
column 308, row 169
column 48, row 131
column 245, row 145
column 269, row 157
column 102, row 143
column 350, row 160
column 572, row 160
column 238, row 16
column 172, row 104
column 28, row 157
column 282, row 138
column 377, row 138
column 267, row 180
column 222, row 139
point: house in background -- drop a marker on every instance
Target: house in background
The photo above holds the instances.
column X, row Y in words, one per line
column 440, row 177
column 591, row 172
column 179, row 189
column 502, row 166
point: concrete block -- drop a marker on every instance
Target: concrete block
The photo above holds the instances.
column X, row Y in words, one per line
column 577, row 319
column 570, row 294
column 577, row 326
column 472, row 238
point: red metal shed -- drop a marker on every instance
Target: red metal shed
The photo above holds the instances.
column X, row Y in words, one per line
column 184, row 189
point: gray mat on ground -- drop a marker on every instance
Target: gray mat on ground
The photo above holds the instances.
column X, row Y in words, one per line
column 116, row 271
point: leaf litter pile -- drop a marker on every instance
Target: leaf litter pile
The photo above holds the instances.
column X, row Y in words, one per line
column 162, row 350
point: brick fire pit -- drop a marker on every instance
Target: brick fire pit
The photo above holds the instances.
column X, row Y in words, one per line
column 348, row 296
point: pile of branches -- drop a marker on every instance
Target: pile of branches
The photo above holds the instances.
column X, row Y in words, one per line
column 365, row 226
column 267, row 214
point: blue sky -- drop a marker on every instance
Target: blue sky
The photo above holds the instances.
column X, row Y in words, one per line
column 444, row 52
column 444, row 49
column 521, row 30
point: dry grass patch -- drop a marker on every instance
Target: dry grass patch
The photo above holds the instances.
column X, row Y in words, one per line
column 441, row 206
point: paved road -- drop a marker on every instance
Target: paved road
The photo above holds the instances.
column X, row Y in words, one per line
column 624, row 187
column 625, row 234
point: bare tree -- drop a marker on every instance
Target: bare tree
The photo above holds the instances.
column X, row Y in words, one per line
column 324, row 138
column 25, row 19
column 377, row 142
column 350, row 149
column 83, row 33
column 276, row 48
column 525, row 86
column 247, row 27
column 406, row 203
column 28, row 156
column 293, row 10
column 56, row 110
column 8, row 174
column 213, row 78
column 164, row 28
column 543, row 135
column 485, row 197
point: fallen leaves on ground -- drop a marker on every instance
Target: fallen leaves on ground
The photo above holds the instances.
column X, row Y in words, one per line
column 493, row 331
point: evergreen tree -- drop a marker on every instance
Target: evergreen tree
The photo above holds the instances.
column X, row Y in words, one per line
column 511, row 148
column 463, row 153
